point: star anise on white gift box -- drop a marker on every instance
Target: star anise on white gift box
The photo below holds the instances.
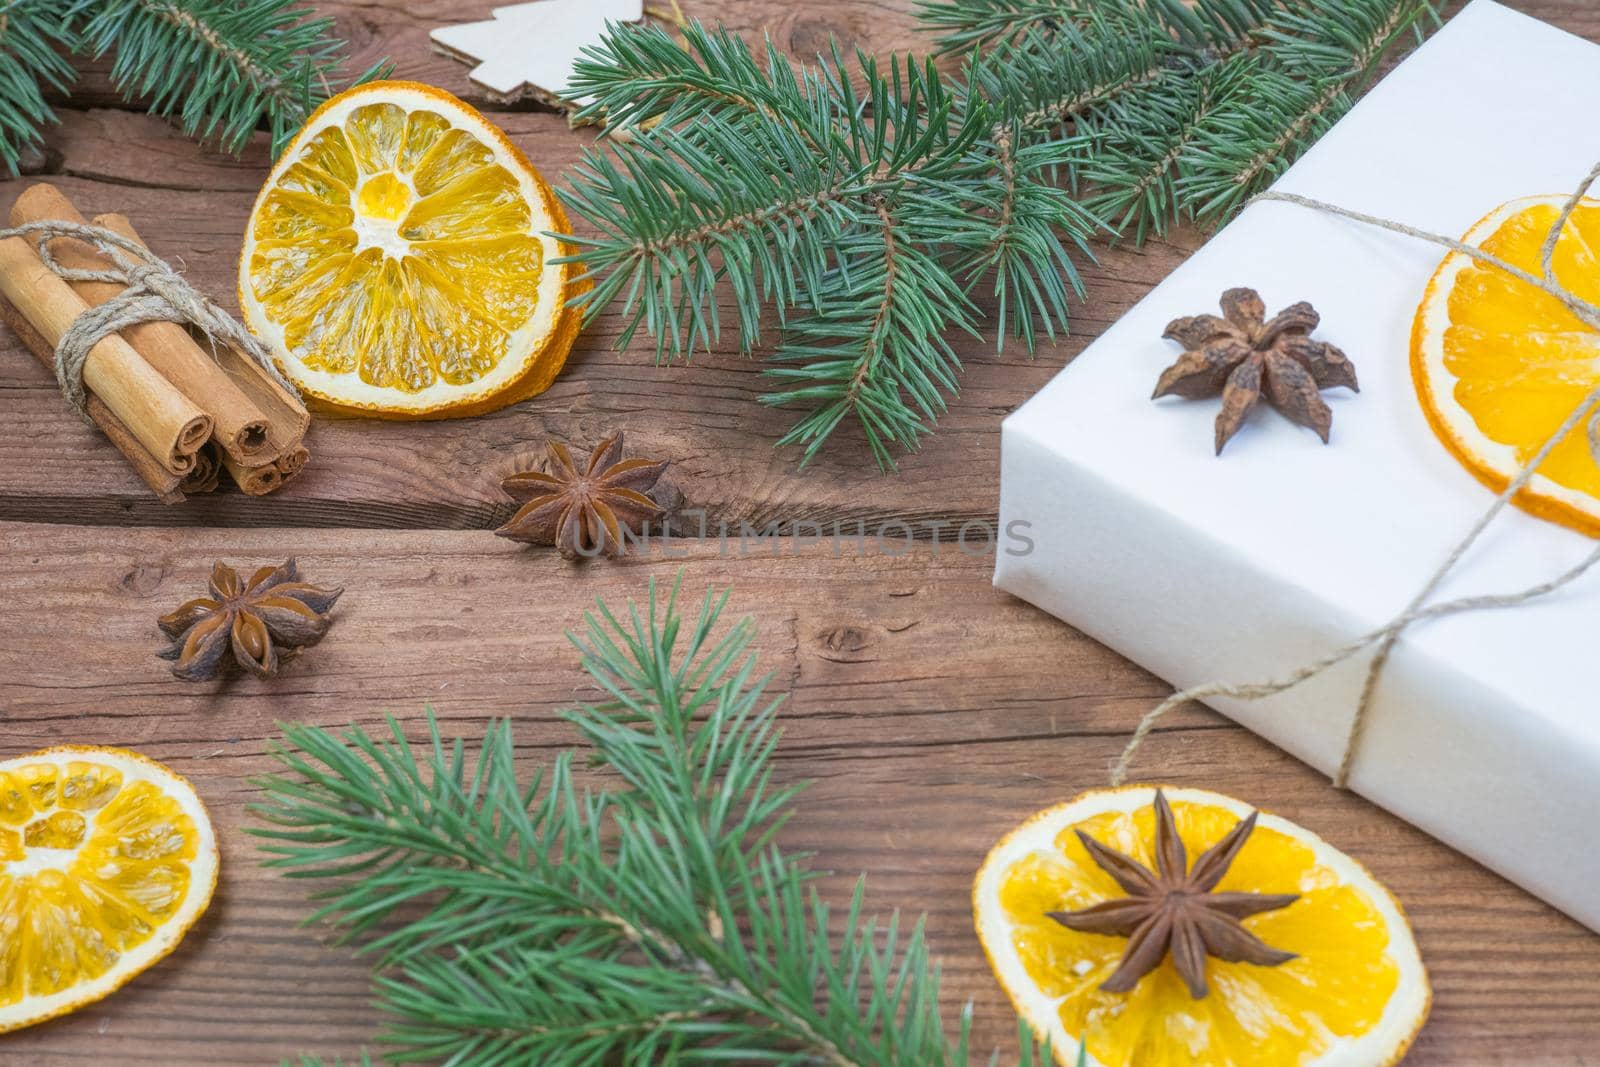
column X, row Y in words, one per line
column 1245, row 356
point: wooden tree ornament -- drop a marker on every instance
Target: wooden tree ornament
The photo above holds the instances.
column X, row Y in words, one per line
column 529, row 49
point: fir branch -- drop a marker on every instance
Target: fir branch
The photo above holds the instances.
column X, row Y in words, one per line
column 1007, row 220
column 32, row 34
column 1187, row 109
column 1216, row 24
column 964, row 24
column 651, row 920
column 1045, row 80
column 219, row 68
column 875, row 339
column 1219, row 27
column 642, row 77
column 863, row 219
column 677, row 214
column 1144, row 147
column 1317, row 60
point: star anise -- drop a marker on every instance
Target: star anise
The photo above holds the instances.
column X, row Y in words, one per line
column 1244, row 356
column 1174, row 909
column 583, row 511
column 271, row 612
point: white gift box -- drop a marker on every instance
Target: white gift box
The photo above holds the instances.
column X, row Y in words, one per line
column 1485, row 728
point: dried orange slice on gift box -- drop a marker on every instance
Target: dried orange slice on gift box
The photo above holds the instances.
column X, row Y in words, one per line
column 106, row 860
column 1499, row 364
column 396, row 261
column 1114, row 940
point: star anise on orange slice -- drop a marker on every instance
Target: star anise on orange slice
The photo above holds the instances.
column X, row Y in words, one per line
column 1244, row 356
column 272, row 611
column 584, row 510
column 1175, row 908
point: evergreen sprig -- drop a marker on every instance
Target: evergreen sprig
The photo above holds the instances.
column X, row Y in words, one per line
column 862, row 219
column 1187, row 110
column 33, row 34
column 864, row 224
column 220, row 68
column 649, row 919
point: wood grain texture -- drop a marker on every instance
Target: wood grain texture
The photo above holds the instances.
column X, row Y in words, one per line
column 192, row 204
column 446, row 475
column 931, row 711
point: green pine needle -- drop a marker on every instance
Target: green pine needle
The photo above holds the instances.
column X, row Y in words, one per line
column 220, row 68
column 864, row 219
column 1307, row 73
column 1187, row 110
column 32, row 35
column 646, row 918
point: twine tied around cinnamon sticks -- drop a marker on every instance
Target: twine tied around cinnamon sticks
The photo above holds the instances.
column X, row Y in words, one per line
column 1418, row 609
column 154, row 292
column 140, row 370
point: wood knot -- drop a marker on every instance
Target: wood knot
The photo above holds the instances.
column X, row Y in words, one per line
column 845, row 644
column 433, row 633
column 143, row 579
column 38, row 159
column 810, row 37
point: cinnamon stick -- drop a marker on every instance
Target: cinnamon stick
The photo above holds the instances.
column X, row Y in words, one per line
column 241, row 427
column 207, row 470
column 162, row 482
column 287, row 418
column 169, row 425
column 293, row 462
column 254, row 481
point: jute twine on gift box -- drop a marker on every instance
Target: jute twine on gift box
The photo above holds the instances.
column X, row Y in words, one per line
column 1384, row 637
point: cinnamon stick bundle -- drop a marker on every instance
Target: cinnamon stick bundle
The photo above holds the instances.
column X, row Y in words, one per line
column 286, row 417
column 162, row 482
column 241, row 428
column 168, row 424
column 180, row 412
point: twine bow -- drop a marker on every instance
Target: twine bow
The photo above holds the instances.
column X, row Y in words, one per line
column 154, row 292
column 1418, row 609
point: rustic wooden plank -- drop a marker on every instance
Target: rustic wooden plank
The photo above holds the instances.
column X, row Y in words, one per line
column 931, row 711
column 399, row 32
column 193, row 202
column 916, row 693
column 192, row 205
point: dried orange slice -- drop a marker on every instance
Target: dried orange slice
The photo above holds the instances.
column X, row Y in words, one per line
column 1499, row 364
column 1355, row 994
column 396, row 261
column 106, row 860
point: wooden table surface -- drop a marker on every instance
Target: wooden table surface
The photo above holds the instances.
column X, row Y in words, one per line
column 931, row 711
